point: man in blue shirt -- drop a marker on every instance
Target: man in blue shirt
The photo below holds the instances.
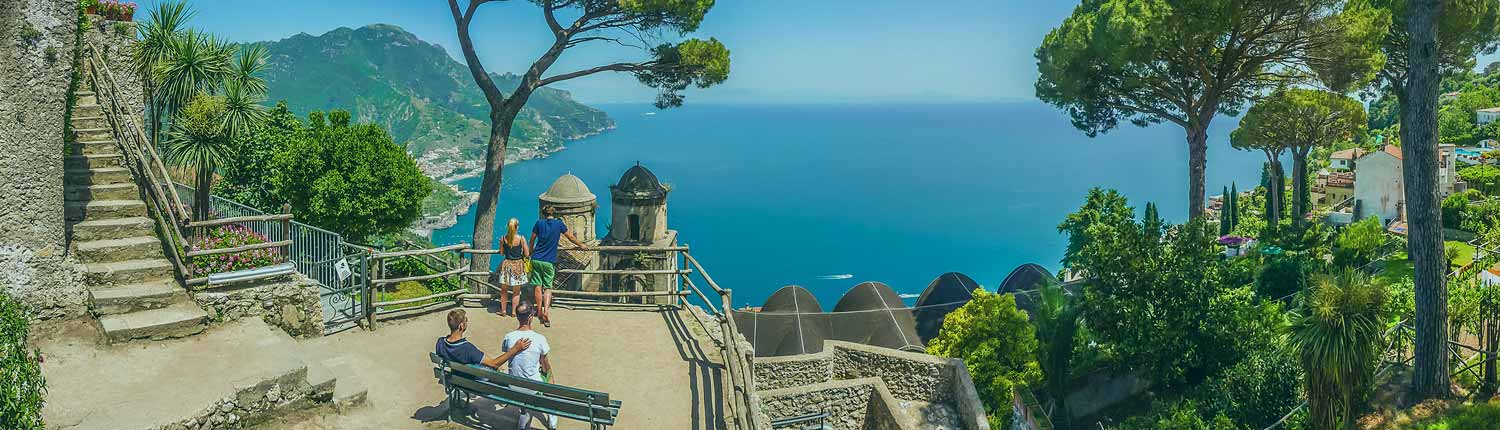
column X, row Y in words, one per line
column 456, row 348
column 544, row 241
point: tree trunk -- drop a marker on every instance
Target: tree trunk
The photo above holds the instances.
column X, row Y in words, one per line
column 1280, row 182
column 1273, row 192
column 1491, row 343
column 1197, row 140
column 1431, row 377
column 1299, row 186
column 202, row 188
column 489, row 191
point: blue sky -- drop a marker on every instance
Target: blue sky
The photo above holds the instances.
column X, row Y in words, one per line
column 782, row 50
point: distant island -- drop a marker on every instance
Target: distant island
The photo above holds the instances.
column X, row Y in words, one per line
column 383, row 74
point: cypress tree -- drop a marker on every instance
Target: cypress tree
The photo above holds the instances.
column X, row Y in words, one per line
column 1224, row 213
column 1234, row 206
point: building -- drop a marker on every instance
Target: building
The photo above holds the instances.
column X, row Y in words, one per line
column 1334, row 187
column 573, row 203
column 1448, row 97
column 638, row 217
column 1378, row 187
column 1345, row 159
column 1487, row 115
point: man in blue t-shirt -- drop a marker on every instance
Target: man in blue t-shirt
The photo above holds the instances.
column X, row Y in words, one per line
column 544, row 241
column 456, row 348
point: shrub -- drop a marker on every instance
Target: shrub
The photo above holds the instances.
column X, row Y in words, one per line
column 1357, row 244
column 230, row 236
column 997, row 344
column 1280, row 277
column 1256, row 391
column 1484, row 177
column 21, row 384
column 1454, row 206
column 1177, row 415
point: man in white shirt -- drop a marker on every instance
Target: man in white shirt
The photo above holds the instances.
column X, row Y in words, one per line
column 530, row 363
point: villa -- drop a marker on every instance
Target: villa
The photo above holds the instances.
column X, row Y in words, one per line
column 1378, row 185
column 1344, row 160
column 1483, row 117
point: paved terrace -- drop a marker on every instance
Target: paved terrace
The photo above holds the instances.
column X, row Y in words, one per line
column 660, row 364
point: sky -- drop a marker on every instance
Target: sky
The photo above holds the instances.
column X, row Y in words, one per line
column 796, row 51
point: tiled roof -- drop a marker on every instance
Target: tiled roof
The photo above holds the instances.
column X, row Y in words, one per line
column 1349, row 154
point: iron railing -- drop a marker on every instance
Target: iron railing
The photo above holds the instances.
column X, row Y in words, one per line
column 313, row 250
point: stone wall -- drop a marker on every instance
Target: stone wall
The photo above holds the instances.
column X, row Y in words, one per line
column 115, row 39
column 289, row 303
column 255, row 402
column 851, row 405
column 37, row 41
column 933, row 391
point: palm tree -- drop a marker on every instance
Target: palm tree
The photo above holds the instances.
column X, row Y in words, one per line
column 1056, row 321
column 165, row 24
column 194, row 63
column 242, row 109
column 1336, row 336
column 198, row 139
column 247, row 68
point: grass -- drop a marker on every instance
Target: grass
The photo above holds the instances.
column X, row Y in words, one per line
column 442, row 199
column 1465, row 253
column 1483, row 416
column 406, row 290
column 1397, row 269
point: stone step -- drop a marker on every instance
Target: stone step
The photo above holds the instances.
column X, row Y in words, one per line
column 116, row 228
column 177, row 320
column 121, row 191
column 137, row 297
column 128, row 272
column 87, row 110
column 90, row 147
column 93, row 121
column 350, row 392
column 98, row 176
column 85, row 98
column 103, row 209
column 76, row 162
column 85, row 134
column 110, row 250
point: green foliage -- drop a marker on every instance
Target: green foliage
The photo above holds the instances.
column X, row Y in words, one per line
column 997, row 344
column 1337, row 335
column 1480, row 416
column 1280, row 278
column 1299, row 119
column 1455, row 205
column 1480, row 216
column 1485, row 178
column 247, row 180
column 350, row 179
column 1179, row 415
column 702, row 63
column 50, row 54
column 22, row 387
column 1056, row 320
column 1465, row 28
column 230, row 236
column 1161, row 304
column 1359, row 243
column 1254, row 392
column 29, row 33
column 198, row 140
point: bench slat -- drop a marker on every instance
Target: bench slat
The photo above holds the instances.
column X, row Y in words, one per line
column 529, row 401
column 576, row 394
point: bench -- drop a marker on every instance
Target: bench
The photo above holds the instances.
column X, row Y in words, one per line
column 817, row 421
column 461, row 380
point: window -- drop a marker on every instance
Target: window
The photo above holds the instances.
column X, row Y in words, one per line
column 635, row 226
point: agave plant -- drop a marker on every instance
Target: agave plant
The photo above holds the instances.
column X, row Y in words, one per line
column 1336, row 337
column 198, row 139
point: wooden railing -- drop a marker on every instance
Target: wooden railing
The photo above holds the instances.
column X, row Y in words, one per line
column 738, row 362
column 163, row 202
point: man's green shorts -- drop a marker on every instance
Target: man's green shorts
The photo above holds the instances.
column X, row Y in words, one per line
column 543, row 274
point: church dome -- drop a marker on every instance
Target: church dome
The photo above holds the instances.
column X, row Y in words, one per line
column 638, row 182
column 568, row 189
column 1026, row 277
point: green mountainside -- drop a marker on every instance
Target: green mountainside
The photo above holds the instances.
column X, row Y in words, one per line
column 385, row 75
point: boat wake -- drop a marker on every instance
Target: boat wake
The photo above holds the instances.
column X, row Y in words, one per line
column 835, row 277
column 910, row 295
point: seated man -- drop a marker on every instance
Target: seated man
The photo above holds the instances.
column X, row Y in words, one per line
column 457, row 349
column 530, row 363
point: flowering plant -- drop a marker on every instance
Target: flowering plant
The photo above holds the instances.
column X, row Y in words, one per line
column 230, row 236
column 117, row 10
column 1233, row 240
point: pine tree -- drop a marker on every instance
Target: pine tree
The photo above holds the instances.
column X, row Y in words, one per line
column 1224, row 217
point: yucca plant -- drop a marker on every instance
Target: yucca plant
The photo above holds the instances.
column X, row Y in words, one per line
column 166, row 22
column 1336, row 337
column 198, row 140
column 195, row 63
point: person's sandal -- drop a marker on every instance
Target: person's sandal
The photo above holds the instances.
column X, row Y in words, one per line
column 546, row 322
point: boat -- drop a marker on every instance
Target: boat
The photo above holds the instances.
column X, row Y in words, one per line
column 835, row 277
column 650, row 113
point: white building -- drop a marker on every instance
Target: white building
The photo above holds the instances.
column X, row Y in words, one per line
column 1486, row 115
column 1378, row 187
column 1345, row 159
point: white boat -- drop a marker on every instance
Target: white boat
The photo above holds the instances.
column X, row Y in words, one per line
column 910, row 295
column 650, row 113
column 834, row 277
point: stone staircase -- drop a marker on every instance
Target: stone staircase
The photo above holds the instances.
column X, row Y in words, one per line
column 133, row 288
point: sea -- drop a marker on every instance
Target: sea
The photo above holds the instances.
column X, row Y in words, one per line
column 829, row 195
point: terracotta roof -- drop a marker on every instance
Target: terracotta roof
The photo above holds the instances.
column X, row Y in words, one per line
column 1338, row 179
column 1349, row 154
column 1394, row 150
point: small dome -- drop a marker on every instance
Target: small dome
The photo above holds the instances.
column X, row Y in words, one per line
column 791, row 322
column 943, row 295
column 639, row 182
column 792, row 298
column 873, row 314
column 1026, row 277
column 567, row 189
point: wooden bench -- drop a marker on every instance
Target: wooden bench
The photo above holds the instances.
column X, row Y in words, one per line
column 461, row 380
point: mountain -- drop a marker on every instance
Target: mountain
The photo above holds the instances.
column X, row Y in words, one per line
column 385, row 75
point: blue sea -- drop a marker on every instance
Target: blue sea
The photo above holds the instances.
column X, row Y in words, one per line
column 777, row 194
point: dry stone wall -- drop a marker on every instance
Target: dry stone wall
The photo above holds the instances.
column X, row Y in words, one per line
column 37, row 42
column 115, row 39
column 290, row 304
